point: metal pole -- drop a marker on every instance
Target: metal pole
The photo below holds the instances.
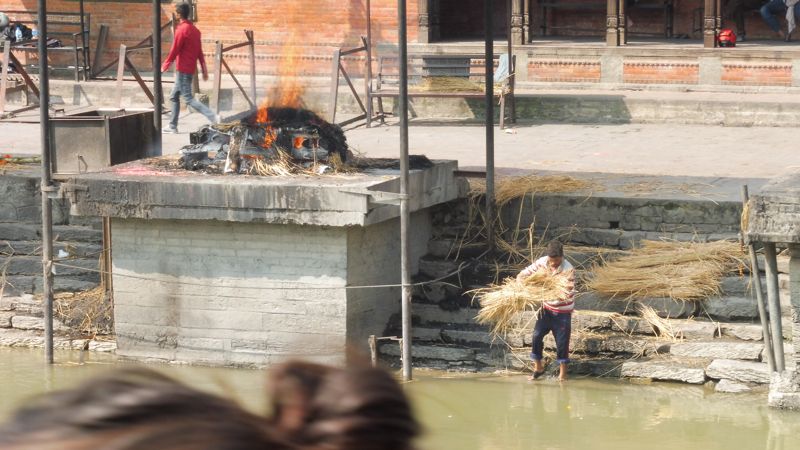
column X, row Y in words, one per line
column 489, row 69
column 46, row 184
column 762, row 310
column 404, row 212
column 368, row 72
column 157, row 97
column 770, row 255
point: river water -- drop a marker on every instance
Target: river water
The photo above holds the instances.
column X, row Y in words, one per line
column 492, row 412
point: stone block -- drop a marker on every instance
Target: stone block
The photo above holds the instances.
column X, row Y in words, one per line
column 731, row 387
column 669, row 308
column 592, row 320
column 742, row 371
column 427, row 334
column 19, row 231
column 665, row 371
column 739, row 286
column 26, row 305
column 76, row 233
column 692, row 329
column 596, row 237
column 437, row 268
column 592, row 301
column 718, row 350
column 466, row 337
column 745, row 332
column 631, row 324
column 69, row 284
column 595, row 367
column 731, row 309
column 19, row 285
column 5, row 319
column 454, row 354
column 784, row 390
column 33, row 323
column 429, row 314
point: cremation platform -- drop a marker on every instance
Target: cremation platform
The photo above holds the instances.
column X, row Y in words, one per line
column 246, row 270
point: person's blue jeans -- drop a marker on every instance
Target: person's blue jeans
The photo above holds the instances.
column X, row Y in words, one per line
column 561, row 326
column 183, row 88
column 771, row 10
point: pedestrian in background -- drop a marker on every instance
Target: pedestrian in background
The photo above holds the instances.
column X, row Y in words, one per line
column 185, row 52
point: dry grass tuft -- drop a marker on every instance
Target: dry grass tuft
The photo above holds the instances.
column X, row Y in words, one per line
column 501, row 303
column 89, row 312
column 511, row 188
column 664, row 269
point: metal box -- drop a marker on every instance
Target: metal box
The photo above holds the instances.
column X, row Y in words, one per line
column 93, row 140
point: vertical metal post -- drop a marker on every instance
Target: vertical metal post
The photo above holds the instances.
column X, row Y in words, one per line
column 402, row 36
column 489, row 69
column 762, row 310
column 368, row 72
column 157, row 97
column 770, row 255
column 46, row 185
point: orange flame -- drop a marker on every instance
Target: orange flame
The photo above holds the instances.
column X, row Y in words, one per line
column 299, row 141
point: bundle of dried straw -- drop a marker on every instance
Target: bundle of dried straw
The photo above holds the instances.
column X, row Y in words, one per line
column 510, row 188
column 686, row 271
column 500, row 304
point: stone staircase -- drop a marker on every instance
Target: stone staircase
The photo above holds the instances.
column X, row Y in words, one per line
column 716, row 339
column 78, row 244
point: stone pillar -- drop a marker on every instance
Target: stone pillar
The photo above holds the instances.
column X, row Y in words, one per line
column 784, row 388
column 526, row 22
column 710, row 24
column 612, row 23
column 517, row 30
column 424, row 22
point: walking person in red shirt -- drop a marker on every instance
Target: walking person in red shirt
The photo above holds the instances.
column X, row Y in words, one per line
column 186, row 51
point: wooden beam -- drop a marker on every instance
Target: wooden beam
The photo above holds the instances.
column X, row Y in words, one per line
column 4, row 75
column 139, row 80
column 709, row 24
column 239, row 85
column 612, row 23
column 217, row 75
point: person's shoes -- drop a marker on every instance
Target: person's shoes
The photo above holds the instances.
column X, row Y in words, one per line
column 171, row 130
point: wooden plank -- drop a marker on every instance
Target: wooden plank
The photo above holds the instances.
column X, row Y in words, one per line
column 334, row 97
column 102, row 40
column 235, row 46
column 139, row 80
column 21, row 70
column 217, row 75
column 239, row 85
column 252, row 42
column 120, row 73
column 352, row 88
column 4, row 75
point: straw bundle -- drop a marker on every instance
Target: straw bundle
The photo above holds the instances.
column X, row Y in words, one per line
column 447, row 84
column 501, row 303
column 679, row 271
column 89, row 312
column 510, row 188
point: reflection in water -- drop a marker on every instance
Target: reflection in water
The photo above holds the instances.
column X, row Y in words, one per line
column 488, row 413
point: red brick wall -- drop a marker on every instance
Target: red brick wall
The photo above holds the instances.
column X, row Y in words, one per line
column 309, row 29
column 662, row 72
column 566, row 71
column 757, row 74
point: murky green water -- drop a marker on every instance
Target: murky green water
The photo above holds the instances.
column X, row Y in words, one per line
column 495, row 412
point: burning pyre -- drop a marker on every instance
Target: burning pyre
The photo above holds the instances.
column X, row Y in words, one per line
column 269, row 141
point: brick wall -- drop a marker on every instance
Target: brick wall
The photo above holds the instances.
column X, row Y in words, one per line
column 228, row 309
column 564, row 70
column 779, row 74
column 662, row 72
column 309, row 29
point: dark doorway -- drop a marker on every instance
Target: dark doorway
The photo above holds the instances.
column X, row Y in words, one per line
column 462, row 20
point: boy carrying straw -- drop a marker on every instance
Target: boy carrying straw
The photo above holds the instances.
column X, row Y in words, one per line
column 555, row 315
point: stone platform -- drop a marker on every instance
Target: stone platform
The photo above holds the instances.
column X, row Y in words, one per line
column 243, row 270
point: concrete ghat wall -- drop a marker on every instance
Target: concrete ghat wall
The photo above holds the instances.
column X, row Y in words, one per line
column 374, row 259
column 227, row 310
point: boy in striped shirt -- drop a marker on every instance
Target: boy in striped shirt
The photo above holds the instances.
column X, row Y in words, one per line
column 555, row 315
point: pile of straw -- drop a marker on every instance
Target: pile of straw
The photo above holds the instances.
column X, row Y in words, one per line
column 447, row 84
column 663, row 269
column 511, row 188
column 89, row 312
column 500, row 304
